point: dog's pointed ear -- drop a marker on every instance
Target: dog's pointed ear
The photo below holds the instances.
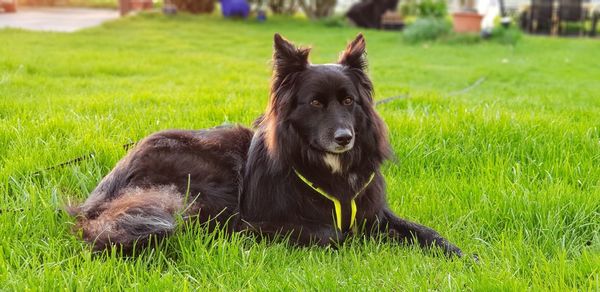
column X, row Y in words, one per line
column 287, row 58
column 354, row 56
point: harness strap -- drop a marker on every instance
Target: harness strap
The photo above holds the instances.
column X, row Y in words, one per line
column 337, row 205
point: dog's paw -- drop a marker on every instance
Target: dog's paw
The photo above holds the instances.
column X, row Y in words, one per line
column 454, row 251
column 449, row 249
column 335, row 239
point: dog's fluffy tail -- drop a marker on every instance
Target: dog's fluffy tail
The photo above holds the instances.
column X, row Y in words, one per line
column 131, row 219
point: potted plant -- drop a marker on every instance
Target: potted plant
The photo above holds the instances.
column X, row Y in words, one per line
column 466, row 19
column 317, row 9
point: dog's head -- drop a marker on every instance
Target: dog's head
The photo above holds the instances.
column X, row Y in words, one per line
column 329, row 107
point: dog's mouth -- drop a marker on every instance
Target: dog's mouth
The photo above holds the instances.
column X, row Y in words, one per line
column 334, row 149
column 339, row 149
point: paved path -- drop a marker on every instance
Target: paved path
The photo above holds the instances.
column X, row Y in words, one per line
column 56, row 19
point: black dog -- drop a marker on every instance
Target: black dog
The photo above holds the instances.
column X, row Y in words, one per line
column 309, row 172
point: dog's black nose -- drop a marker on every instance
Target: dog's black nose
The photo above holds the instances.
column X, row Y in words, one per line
column 342, row 137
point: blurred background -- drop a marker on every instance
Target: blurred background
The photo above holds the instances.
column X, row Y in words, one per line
column 424, row 19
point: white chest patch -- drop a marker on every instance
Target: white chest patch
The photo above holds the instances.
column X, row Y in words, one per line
column 333, row 161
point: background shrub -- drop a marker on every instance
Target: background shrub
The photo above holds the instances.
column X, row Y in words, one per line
column 286, row 7
column 432, row 8
column 426, row 29
column 424, row 8
column 408, row 8
column 317, row 9
column 506, row 36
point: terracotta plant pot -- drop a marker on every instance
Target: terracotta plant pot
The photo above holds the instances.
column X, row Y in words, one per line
column 466, row 21
column 195, row 6
column 141, row 4
column 126, row 6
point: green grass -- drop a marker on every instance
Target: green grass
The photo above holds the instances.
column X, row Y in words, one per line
column 508, row 170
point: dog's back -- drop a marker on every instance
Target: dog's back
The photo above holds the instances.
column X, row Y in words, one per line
column 192, row 173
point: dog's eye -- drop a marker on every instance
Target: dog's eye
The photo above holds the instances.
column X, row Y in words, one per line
column 347, row 101
column 316, row 103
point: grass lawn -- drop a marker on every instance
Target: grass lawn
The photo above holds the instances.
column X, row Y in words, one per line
column 509, row 170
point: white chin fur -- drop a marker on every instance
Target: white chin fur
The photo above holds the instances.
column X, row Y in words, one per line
column 333, row 161
column 338, row 151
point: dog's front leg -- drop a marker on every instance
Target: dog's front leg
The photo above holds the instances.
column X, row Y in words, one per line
column 405, row 231
column 301, row 235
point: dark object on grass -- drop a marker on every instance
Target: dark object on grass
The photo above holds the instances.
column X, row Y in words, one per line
column 505, row 20
column 169, row 8
column 391, row 20
column 571, row 11
column 305, row 174
column 540, row 16
column 261, row 15
column 235, row 8
column 595, row 18
column 486, row 34
column 367, row 13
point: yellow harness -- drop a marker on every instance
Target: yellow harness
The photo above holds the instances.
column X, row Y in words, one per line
column 336, row 203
